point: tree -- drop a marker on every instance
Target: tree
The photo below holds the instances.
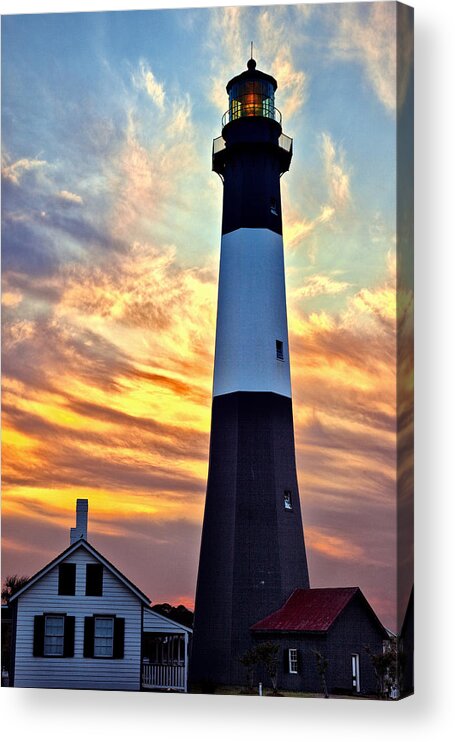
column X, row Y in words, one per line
column 321, row 664
column 249, row 660
column 12, row 585
column 181, row 614
column 267, row 653
column 386, row 666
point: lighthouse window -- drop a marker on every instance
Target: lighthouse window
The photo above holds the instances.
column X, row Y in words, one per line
column 273, row 208
column 287, row 500
column 279, row 350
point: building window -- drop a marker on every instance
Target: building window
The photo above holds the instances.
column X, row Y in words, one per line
column 94, row 579
column 104, row 637
column 67, row 579
column 355, row 666
column 287, row 500
column 279, row 350
column 273, row 207
column 53, row 635
column 293, row 662
column 54, row 632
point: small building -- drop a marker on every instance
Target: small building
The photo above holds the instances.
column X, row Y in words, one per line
column 337, row 623
column 80, row 623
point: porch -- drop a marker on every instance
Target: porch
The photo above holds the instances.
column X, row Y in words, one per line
column 165, row 661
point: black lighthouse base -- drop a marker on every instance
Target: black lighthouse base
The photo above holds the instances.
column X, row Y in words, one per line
column 252, row 550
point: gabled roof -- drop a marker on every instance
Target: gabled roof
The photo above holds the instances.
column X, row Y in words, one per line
column 96, row 554
column 312, row 610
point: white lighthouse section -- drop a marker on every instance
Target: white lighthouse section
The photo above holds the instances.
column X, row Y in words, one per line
column 252, row 352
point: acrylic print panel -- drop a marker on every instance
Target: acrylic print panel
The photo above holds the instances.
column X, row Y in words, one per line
column 207, row 350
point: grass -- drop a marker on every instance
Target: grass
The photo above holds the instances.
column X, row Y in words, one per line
column 238, row 690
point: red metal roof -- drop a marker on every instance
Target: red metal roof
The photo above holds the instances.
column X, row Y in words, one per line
column 314, row 609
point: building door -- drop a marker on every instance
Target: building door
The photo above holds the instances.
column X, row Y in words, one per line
column 355, row 664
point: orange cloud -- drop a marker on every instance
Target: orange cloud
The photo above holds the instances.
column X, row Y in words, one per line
column 334, row 547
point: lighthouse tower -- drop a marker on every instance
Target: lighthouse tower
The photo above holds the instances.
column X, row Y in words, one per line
column 252, row 551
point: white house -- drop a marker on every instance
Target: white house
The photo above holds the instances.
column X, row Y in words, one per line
column 80, row 623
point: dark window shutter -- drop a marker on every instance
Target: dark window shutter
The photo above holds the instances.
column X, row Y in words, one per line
column 299, row 661
column 38, row 636
column 67, row 579
column 89, row 636
column 119, row 638
column 286, row 660
column 68, row 638
column 94, row 579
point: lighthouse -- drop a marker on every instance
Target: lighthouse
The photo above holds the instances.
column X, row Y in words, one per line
column 252, row 549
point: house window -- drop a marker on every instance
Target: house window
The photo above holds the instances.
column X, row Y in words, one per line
column 293, row 662
column 94, row 579
column 104, row 637
column 287, row 500
column 355, row 666
column 279, row 350
column 67, row 579
column 54, row 632
column 53, row 635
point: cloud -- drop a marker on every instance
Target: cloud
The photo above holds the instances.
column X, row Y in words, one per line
column 277, row 40
column 338, row 179
column 296, row 229
column 13, row 172
column 337, row 186
column 334, row 547
column 142, row 287
column 11, row 298
column 320, row 284
column 150, row 174
column 367, row 35
column 69, row 197
column 291, row 81
column 180, row 118
column 146, row 80
column 121, row 386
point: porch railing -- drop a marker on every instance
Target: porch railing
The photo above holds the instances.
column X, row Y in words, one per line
column 164, row 676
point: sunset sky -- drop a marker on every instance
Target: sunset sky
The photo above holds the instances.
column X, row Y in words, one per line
column 111, row 226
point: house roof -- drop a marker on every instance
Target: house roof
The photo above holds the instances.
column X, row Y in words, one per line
column 165, row 619
column 313, row 610
column 96, row 554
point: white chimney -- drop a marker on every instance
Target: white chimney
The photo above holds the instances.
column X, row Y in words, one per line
column 81, row 522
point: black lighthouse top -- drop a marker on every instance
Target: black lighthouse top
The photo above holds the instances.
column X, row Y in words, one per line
column 251, row 123
column 252, row 93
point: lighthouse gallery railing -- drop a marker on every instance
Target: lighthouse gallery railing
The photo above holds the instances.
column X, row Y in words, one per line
column 240, row 110
column 284, row 142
